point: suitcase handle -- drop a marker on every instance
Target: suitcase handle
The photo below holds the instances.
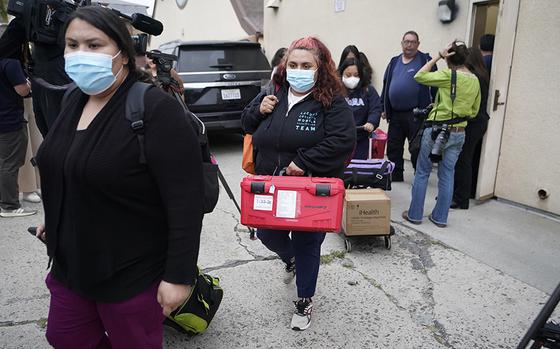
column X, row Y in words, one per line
column 283, row 173
column 322, row 190
column 258, row 187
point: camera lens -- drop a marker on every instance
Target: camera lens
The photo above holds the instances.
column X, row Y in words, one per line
column 440, row 137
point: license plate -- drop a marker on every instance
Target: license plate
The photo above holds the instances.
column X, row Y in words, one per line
column 231, row 94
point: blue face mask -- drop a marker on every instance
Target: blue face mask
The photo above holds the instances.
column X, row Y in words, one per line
column 92, row 72
column 301, row 80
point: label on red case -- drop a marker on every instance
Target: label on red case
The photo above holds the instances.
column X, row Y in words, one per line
column 286, row 203
column 263, row 202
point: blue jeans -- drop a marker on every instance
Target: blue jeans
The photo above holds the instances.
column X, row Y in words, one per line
column 446, row 172
column 305, row 247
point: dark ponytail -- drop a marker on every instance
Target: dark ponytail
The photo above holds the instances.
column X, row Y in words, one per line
column 461, row 53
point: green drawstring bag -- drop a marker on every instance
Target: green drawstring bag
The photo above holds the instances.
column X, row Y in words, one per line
column 197, row 311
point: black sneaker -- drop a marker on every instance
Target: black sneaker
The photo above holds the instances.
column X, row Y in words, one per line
column 397, row 177
column 290, row 271
column 301, row 320
column 456, row 206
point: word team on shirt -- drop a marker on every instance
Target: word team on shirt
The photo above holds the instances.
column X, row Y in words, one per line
column 307, row 121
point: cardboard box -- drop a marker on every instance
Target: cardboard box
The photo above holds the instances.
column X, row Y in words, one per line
column 366, row 212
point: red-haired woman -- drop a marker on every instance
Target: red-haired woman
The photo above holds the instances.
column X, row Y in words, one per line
column 305, row 126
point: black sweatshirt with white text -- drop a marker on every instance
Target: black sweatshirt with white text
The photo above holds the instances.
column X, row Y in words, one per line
column 317, row 139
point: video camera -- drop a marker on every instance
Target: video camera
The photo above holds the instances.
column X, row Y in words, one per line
column 164, row 64
column 43, row 19
column 41, row 22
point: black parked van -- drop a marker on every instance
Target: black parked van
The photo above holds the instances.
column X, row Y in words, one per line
column 220, row 78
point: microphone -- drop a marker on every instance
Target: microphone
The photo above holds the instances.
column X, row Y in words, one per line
column 146, row 24
column 142, row 22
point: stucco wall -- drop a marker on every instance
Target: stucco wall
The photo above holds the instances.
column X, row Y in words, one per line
column 530, row 150
column 375, row 27
column 198, row 20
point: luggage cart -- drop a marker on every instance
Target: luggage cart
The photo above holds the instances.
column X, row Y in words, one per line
column 371, row 173
column 348, row 240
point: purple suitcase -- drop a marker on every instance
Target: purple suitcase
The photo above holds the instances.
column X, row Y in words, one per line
column 372, row 173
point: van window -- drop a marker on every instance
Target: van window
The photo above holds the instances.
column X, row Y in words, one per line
column 200, row 59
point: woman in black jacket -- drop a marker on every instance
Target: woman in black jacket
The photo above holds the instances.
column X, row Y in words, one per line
column 467, row 165
column 306, row 127
column 123, row 236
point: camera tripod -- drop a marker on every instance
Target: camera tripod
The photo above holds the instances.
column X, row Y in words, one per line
column 544, row 333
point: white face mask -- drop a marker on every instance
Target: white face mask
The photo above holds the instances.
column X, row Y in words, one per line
column 351, row 82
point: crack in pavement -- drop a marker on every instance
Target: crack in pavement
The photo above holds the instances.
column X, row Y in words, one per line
column 378, row 285
column 419, row 245
column 233, row 264
column 236, row 263
column 41, row 322
column 424, row 313
column 238, row 230
column 11, row 301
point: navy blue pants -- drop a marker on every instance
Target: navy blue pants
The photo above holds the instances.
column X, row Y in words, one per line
column 305, row 247
column 403, row 125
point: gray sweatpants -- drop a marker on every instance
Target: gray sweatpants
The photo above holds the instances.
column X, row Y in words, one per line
column 13, row 146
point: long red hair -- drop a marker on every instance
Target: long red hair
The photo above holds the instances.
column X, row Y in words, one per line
column 328, row 82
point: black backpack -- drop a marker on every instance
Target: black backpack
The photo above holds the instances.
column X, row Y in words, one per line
column 134, row 112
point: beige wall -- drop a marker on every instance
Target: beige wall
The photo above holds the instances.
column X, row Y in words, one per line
column 375, row 27
column 199, row 20
column 530, row 150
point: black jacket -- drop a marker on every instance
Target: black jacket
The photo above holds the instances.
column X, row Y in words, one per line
column 115, row 226
column 318, row 140
column 482, row 115
column 426, row 94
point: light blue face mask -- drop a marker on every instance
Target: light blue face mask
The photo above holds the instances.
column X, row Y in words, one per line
column 92, row 72
column 301, row 80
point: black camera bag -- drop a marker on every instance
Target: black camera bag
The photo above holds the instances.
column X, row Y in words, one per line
column 197, row 311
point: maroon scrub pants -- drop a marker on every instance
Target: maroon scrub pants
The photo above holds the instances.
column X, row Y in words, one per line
column 77, row 322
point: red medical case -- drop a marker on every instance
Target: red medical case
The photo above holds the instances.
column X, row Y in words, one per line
column 292, row 203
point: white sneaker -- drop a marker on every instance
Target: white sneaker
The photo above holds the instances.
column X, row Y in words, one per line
column 18, row 212
column 32, row 197
column 301, row 320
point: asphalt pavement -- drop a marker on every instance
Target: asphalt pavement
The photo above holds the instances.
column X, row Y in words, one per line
column 478, row 283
